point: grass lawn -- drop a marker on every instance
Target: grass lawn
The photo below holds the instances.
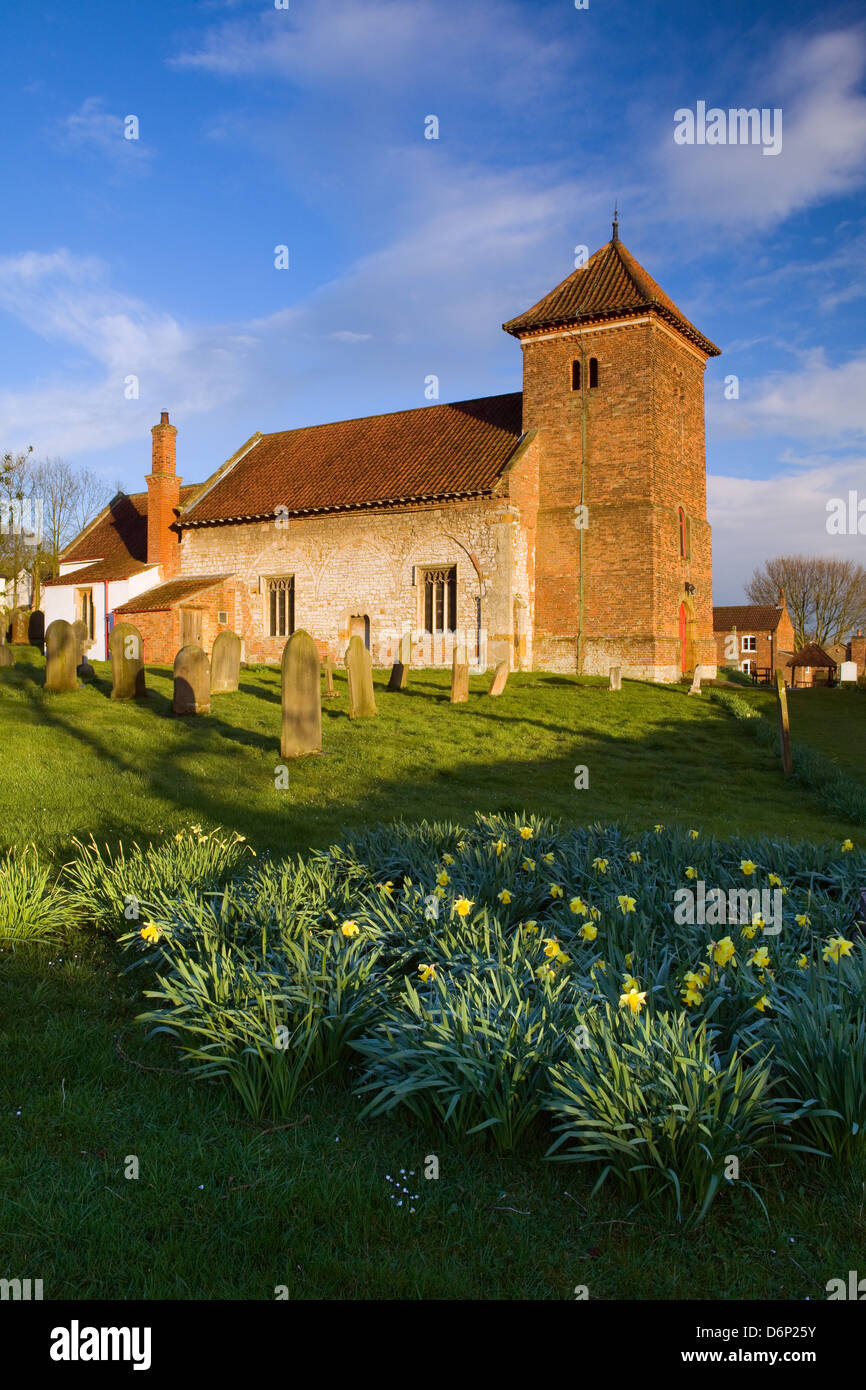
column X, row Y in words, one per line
column 227, row 1208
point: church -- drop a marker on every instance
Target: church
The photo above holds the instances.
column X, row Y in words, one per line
column 561, row 528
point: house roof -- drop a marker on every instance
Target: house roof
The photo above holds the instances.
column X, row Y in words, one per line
column 612, row 284
column 174, row 591
column 116, row 568
column 429, row 454
column 756, row 617
column 118, row 534
column 811, row 655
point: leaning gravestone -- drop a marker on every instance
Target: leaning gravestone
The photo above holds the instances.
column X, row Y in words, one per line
column 126, row 649
column 406, row 649
column 500, row 676
column 359, row 667
column 459, row 678
column 20, row 626
column 695, row 688
column 398, row 676
column 61, row 656
column 302, row 697
column 616, row 678
column 191, row 681
column 328, row 667
column 6, row 657
column 225, row 663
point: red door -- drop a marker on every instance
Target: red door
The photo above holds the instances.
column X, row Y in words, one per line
column 683, row 622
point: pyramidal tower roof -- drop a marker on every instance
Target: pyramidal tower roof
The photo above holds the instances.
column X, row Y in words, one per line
column 612, row 284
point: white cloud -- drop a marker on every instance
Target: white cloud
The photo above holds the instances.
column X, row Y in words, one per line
column 815, row 81
column 817, row 400
column 92, row 128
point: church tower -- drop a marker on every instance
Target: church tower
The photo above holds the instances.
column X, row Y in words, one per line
column 612, row 479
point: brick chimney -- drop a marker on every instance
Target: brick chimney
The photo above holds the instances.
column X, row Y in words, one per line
column 857, row 651
column 163, row 497
column 780, row 601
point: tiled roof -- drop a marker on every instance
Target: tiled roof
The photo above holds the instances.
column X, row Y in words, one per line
column 811, row 655
column 119, row 533
column 116, row 568
column 612, row 284
column 422, row 455
column 168, row 594
column 755, row 617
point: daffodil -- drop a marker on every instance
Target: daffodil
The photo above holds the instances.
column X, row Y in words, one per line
column 724, row 951
column 761, row 958
column 595, row 914
column 774, row 880
column 530, row 926
column 555, row 890
column 149, row 932
column 747, row 866
column 443, row 878
column 635, row 856
column 600, row 865
column 837, row 947
column 350, row 928
column 626, row 904
column 562, row 958
column 692, row 996
column 658, row 829
column 846, row 845
column 427, row 973
column 529, row 865
column 549, row 859
column 463, row 906
column 546, row 972
column 762, row 1003
column 578, row 907
column 589, row 931
column 629, row 982
column 691, row 872
column 749, row 932
column 629, row 960
column 693, row 981
column 693, row 834
column 633, row 1000
column 526, row 832
column 803, row 920
column 803, row 962
column 504, row 896
column 500, row 846
column 551, row 946
column 448, row 859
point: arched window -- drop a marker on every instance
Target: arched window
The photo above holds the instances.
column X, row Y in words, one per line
column 682, row 521
column 575, row 374
column 593, row 372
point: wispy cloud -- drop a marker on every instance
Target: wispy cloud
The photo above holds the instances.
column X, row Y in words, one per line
column 817, row 400
column 93, row 130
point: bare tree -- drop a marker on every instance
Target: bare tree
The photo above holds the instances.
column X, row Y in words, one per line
column 16, row 520
column 826, row 598
column 92, row 493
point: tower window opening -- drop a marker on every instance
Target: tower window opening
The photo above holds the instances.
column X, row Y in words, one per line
column 593, row 372
column 575, row 374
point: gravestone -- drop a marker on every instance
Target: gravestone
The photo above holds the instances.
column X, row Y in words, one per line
column 500, row 676
column 61, row 656
column 359, row 667
column 695, row 687
column 225, row 663
column 406, row 649
column 328, row 667
column 36, row 628
column 82, row 636
column 301, row 697
column 784, row 726
column 848, row 671
column 459, row 678
column 399, row 673
column 126, row 649
column 6, row 657
column 616, row 678
column 191, row 681
column 20, row 625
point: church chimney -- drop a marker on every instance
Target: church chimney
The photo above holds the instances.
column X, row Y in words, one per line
column 780, row 601
column 163, row 497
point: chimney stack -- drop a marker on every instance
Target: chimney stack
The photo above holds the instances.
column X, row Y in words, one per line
column 780, row 601
column 163, row 497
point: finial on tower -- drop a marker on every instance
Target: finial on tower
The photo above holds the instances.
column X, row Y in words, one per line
column 615, row 223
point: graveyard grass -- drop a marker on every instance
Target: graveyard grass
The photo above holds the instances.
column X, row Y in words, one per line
column 228, row 1208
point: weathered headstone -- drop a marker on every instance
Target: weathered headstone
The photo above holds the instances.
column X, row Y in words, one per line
column 36, row 628
column 459, row 678
column 616, row 678
column 20, row 624
column 126, row 649
column 784, row 726
column 191, row 681
column 302, row 697
column 6, row 657
column 328, row 668
column 359, row 668
column 225, row 663
column 695, row 687
column 848, row 671
column 406, row 649
column 61, row 656
column 500, row 676
column 398, row 676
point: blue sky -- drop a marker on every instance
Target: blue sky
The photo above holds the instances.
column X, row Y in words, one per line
column 305, row 127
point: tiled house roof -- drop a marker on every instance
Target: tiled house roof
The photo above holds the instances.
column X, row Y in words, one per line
column 164, row 596
column 811, row 655
column 118, row 535
column 119, row 567
column 612, row 284
column 754, row 617
column 433, row 453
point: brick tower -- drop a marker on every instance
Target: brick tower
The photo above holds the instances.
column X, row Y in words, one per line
column 613, row 412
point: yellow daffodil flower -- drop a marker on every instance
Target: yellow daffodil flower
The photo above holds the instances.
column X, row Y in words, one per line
column 600, row 865
column 526, row 832
column 724, row 951
column 691, row 872
column 350, row 929
column 658, row 829
column 846, row 845
column 629, row 983
column 427, row 973
column 588, row 931
column 633, row 1000
column 549, row 859
column 626, row 904
column 774, row 880
column 500, row 846
column 504, row 896
column 692, row 996
column 803, row 962
column 595, row 914
column 803, row 920
column 551, row 946
column 762, row 1003
column 555, row 890
column 463, row 906
column 635, row 856
column 578, row 908
column 448, row 859
column 837, row 947
column 761, row 958
column 747, row 866
column 693, row 834
column 529, row 865
column 150, row 932
column 443, row 878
